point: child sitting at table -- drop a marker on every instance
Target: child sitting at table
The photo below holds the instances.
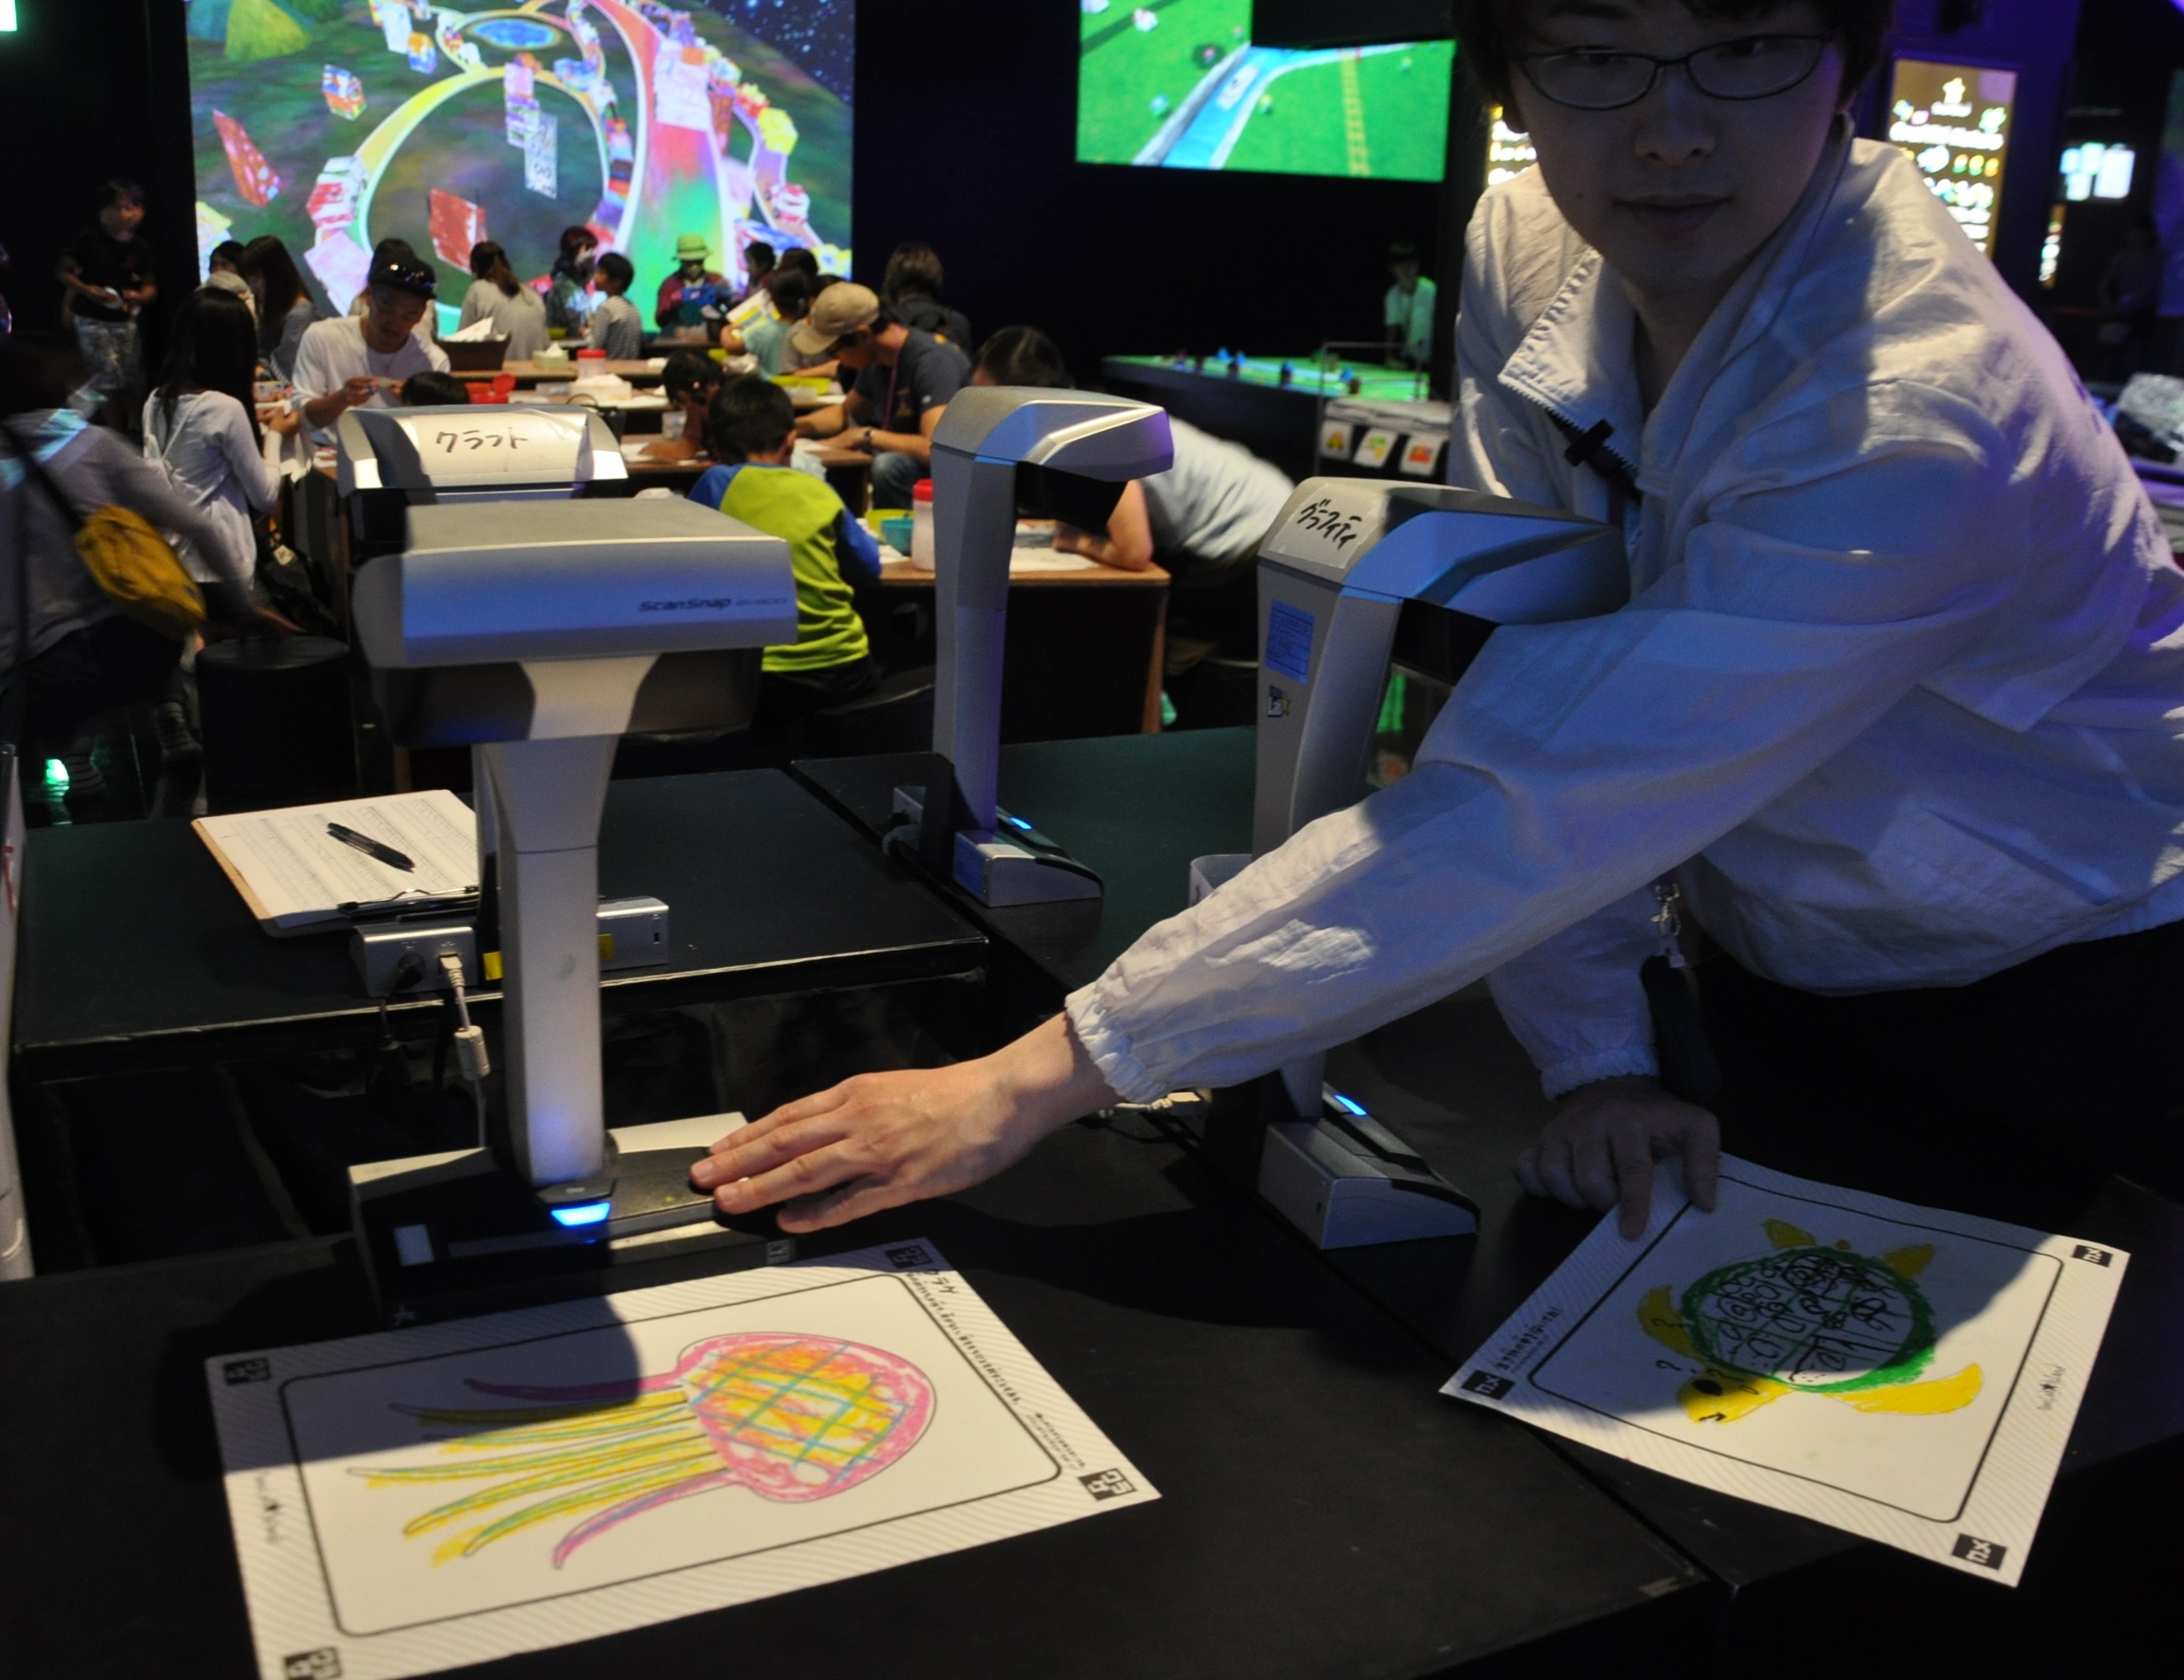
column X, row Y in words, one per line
column 434, row 391
column 751, row 433
column 689, row 382
column 616, row 327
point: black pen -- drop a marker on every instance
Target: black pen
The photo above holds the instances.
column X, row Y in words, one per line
column 371, row 848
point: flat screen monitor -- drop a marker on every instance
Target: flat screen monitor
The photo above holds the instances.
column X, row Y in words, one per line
column 334, row 124
column 1953, row 121
column 1180, row 84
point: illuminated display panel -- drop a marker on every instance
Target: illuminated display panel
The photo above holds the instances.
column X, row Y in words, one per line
column 1953, row 121
column 1508, row 153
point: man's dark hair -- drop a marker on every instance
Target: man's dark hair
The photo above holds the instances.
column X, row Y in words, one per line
column 38, row 370
column 688, row 370
column 434, row 390
column 749, row 416
column 1490, row 47
column 1023, row 355
column 618, row 271
column 913, row 271
column 228, row 251
column 792, row 292
column 119, row 191
column 798, row 259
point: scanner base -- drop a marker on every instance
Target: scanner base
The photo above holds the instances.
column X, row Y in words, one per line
column 448, row 1236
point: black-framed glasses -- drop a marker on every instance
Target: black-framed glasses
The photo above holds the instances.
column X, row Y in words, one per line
column 1750, row 67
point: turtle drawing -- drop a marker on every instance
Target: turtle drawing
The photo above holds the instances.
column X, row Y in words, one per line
column 1807, row 1319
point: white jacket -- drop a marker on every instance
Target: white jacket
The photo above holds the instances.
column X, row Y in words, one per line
column 1899, row 697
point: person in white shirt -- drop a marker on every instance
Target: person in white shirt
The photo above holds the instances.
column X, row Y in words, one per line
column 357, row 361
column 1408, row 309
column 517, row 313
column 1894, row 704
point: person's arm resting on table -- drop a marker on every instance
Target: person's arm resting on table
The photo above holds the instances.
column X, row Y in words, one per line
column 1128, row 545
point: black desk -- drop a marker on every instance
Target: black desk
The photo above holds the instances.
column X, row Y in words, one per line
column 1137, row 809
column 137, row 951
column 1324, row 1512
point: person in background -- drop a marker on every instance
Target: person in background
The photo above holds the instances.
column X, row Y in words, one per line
column 517, row 313
column 75, row 654
column 1408, row 309
column 569, row 300
column 285, row 310
column 689, row 382
column 798, row 259
column 767, row 337
column 108, row 276
column 202, row 428
column 904, row 374
column 225, row 257
column 751, row 430
column 759, row 260
column 616, row 325
column 435, row 391
column 1202, row 521
column 235, row 286
column 2131, row 297
column 910, row 290
column 354, row 362
column 693, row 293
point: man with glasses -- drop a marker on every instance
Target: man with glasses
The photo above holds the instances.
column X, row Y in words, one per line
column 1893, row 711
column 360, row 361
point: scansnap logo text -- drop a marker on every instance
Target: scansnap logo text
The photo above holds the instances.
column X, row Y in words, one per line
column 717, row 604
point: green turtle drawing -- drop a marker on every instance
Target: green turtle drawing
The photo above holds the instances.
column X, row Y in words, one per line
column 1807, row 1319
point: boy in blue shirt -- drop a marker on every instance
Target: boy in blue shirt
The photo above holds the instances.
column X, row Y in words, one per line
column 752, row 431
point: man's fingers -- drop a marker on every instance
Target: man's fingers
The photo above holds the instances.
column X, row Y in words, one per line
column 838, row 1206
column 1634, row 1176
column 789, row 1164
column 1527, row 1172
column 1701, row 1153
column 1555, row 1172
column 1593, row 1169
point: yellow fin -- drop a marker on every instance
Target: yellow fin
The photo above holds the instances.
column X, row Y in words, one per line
column 1658, row 1318
column 1910, row 1262
column 1723, row 1397
column 1783, row 1235
column 1921, row 1399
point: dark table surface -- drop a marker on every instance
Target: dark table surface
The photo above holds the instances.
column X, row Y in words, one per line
column 1324, row 1512
column 1136, row 809
column 136, row 949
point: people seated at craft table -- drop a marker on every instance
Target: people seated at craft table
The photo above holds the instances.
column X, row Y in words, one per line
column 284, row 309
column 905, row 379
column 435, row 391
column 910, row 290
column 359, row 361
column 689, row 382
column 616, row 325
column 694, row 299
column 751, row 430
column 517, row 313
column 570, row 299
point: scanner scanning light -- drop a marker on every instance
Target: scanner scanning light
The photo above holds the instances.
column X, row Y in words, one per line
column 1344, row 1102
column 590, row 1213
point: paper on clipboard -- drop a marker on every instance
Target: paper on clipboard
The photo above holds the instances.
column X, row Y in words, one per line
column 295, row 877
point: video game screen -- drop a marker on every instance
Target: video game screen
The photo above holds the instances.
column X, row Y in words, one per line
column 335, row 124
column 1178, row 84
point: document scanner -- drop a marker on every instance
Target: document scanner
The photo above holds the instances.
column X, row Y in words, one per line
column 997, row 453
column 537, row 630
column 1354, row 575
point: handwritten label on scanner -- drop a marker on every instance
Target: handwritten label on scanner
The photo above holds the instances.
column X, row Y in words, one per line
column 458, row 448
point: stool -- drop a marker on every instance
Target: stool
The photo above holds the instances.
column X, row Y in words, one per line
column 275, row 711
column 895, row 717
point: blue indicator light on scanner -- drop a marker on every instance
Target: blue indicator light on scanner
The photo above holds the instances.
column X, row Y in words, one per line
column 1018, row 822
column 591, row 1213
column 1344, row 1102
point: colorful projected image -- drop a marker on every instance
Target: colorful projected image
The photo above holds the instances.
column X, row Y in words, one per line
column 1178, row 84
column 334, row 124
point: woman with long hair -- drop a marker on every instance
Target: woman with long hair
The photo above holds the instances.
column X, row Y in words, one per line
column 285, row 310
column 517, row 313
column 202, row 427
column 569, row 299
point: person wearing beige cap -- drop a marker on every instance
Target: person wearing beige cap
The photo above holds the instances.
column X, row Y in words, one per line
column 905, row 378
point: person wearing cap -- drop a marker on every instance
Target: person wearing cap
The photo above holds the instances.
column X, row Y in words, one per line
column 905, row 379
column 356, row 361
column 693, row 291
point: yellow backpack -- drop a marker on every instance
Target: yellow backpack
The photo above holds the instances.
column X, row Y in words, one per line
column 129, row 561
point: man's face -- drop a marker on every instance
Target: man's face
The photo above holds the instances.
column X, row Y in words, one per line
column 122, row 219
column 391, row 318
column 1679, row 191
column 694, row 268
column 1406, row 275
column 857, row 349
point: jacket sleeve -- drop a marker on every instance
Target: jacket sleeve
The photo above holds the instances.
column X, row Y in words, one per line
column 1575, row 1002
column 1578, row 762
column 858, row 548
column 246, row 459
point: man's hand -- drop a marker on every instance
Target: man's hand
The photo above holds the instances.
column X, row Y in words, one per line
column 356, row 393
column 1599, row 1148
column 883, row 1139
column 281, row 420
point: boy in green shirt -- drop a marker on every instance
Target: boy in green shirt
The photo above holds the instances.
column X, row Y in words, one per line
column 751, row 433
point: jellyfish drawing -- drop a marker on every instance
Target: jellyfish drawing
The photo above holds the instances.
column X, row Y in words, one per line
column 793, row 1418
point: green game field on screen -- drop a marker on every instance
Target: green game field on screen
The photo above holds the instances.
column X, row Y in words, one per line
column 1301, row 126
column 1123, row 69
